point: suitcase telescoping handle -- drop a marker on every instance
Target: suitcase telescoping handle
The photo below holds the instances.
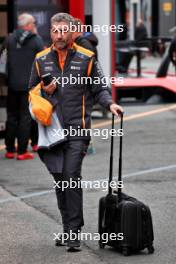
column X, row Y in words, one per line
column 120, row 158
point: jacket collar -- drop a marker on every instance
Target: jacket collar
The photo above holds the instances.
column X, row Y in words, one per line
column 70, row 54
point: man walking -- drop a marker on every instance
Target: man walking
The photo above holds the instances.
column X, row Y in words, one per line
column 73, row 103
column 22, row 46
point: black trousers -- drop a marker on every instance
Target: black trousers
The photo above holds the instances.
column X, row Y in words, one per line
column 34, row 133
column 18, row 121
column 70, row 200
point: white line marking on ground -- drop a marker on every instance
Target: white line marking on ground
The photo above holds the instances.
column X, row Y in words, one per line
column 25, row 196
column 143, row 172
column 146, row 171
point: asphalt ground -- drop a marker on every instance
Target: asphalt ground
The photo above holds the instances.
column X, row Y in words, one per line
column 28, row 208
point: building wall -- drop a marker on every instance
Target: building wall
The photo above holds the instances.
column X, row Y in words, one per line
column 167, row 16
column 102, row 16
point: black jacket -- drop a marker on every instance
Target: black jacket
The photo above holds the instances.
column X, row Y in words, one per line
column 83, row 42
column 140, row 33
column 74, row 100
column 88, row 41
column 93, row 40
column 22, row 46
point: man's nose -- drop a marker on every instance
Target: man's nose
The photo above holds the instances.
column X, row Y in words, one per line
column 59, row 35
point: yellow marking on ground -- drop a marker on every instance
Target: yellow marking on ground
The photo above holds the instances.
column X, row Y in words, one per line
column 127, row 118
column 136, row 116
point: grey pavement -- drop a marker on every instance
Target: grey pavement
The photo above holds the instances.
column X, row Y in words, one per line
column 149, row 166
column 26, row 237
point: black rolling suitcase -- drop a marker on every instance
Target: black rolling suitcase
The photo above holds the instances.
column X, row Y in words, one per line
column 124, row 222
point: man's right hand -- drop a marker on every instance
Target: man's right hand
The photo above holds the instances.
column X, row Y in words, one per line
column 49, row 89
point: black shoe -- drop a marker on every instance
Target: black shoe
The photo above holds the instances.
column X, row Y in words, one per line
column 73, row 245
column 61, row 241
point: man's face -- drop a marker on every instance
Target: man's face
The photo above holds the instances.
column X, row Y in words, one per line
column 60, row 35
column 31, row 26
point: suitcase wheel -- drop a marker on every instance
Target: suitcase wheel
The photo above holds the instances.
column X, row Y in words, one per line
column 126, row 251
column 101, row 216
column 151, row 249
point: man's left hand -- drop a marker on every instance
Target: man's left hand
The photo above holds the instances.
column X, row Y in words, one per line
column 116, row 109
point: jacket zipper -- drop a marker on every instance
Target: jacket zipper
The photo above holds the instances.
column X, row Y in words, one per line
column 83, row 99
